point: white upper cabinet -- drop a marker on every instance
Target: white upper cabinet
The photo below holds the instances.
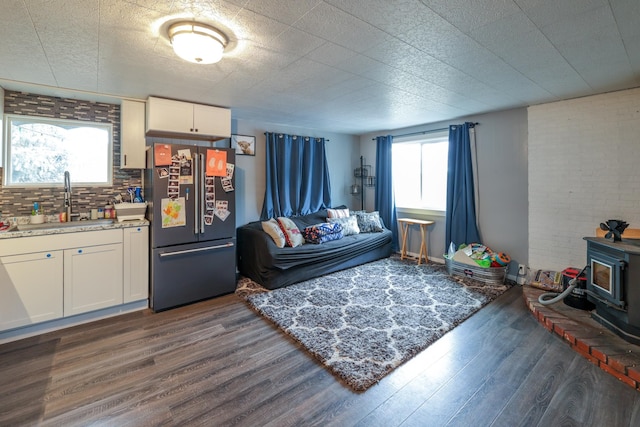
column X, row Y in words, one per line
column 169, row 117
column 132, row 135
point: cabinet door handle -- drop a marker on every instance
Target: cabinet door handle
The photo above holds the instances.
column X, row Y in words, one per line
column 125, row 160
column 79, row 251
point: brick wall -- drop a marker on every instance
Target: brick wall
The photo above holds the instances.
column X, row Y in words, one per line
column 18, row 201
column 584, row 168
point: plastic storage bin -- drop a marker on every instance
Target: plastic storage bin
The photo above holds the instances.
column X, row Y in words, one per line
column 491, row 275
column 130, row 211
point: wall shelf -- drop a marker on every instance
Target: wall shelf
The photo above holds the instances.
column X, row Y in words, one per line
column 366, row 180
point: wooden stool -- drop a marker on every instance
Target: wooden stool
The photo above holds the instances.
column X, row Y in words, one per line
column 404, row 226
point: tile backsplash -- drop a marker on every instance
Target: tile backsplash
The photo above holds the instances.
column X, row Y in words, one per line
column 18, row 201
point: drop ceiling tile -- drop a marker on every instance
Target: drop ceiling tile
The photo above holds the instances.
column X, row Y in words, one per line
column 161, row 6
column 295, row 41
column 514, row 29
column 447, row 44
column 363, row 66
column 331, row 54
column 339, row 27
column 591, row 41
column 22, row 56
column 257, row 28
column 546, row 12
column 260, row 58
column 468, row 16
column 385, row 15
column 284, row 11
column 51, row 21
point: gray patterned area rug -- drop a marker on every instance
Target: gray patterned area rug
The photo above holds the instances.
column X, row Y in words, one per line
column 363, row 322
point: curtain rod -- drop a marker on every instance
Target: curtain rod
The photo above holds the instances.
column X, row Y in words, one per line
column 423, row 132
column 314, row 137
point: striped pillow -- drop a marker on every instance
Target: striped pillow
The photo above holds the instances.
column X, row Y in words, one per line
column 337, row 213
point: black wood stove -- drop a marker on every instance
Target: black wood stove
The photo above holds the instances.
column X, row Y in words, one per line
column 613, row 285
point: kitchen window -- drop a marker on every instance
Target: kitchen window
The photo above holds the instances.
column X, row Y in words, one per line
column 420, row 172
column 39, row 150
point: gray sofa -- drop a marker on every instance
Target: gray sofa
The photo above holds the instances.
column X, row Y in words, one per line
column 265, row 263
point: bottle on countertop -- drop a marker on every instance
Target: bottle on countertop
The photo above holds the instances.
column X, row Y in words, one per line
column 109, row 212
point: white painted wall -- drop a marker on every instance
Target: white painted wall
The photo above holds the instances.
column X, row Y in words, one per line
column 501, row 138
column 584, row 168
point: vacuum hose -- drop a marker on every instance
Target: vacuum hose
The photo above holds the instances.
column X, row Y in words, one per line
column 549, row 298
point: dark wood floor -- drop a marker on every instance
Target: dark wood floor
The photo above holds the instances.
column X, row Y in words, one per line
column 217, row 363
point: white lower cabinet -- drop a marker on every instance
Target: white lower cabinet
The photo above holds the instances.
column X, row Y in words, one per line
column 30, row 288
column 49, row 277
column 92, row 278
column 135, row 242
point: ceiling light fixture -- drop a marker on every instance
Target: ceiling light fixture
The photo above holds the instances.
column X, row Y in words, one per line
column 197, row 43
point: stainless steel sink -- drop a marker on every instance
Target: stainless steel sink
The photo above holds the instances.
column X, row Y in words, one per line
column 53, row 225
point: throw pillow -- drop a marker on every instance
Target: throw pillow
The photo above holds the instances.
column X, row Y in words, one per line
column 291, row 232
column 272, row 228
column 349, row 224
column 369, row 222
column 337, row 213
column 323, row 232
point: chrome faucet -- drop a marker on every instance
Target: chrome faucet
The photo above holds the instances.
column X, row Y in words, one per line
column 67, row 194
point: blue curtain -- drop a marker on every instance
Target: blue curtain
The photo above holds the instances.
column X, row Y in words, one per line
column 461, row 211
column 297, row 176
column 384, row 199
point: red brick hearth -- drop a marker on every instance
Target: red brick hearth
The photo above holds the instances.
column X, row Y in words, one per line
column 586, row 336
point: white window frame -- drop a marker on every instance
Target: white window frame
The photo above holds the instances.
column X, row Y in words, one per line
column 430, row 137
column 6, row 158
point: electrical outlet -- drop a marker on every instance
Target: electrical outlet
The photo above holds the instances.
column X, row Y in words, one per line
column 522, row 269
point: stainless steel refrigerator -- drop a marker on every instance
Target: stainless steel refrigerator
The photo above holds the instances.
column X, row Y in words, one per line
column 191, row 195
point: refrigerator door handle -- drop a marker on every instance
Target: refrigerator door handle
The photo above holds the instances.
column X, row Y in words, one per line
column 203, row 203
column 196, row 223
column 188, row 251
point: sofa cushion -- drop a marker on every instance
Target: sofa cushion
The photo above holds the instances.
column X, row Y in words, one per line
column 323, row 232
column 292, row 234
column 349, row 224
column 272, row 228
column 369, row 222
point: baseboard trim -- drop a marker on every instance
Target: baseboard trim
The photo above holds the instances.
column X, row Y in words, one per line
column 413, row 255
column 66, row 322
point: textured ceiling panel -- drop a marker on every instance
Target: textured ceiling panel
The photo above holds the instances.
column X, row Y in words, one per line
column 350, row 66
column 466, row 15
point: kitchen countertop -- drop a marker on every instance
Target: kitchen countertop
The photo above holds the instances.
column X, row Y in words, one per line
column 81, row 226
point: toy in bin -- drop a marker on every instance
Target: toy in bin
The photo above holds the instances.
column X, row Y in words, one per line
column 479, row 254
column 475, row 261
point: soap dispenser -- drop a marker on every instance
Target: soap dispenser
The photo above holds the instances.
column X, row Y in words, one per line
column 138, row 197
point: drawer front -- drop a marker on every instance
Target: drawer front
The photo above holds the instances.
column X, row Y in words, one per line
column 53, row 242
